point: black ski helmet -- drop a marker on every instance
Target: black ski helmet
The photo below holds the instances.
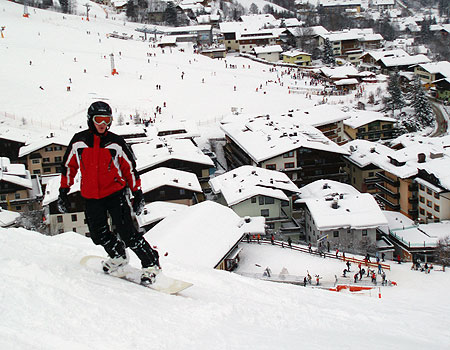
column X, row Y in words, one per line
column 97, row 108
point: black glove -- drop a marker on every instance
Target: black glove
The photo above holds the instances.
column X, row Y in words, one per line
column 138, row 202
column 63, row 201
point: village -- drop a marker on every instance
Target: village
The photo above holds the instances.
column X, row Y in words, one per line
column 328, row 175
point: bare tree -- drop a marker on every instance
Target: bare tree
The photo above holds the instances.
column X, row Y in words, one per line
column 443, row 252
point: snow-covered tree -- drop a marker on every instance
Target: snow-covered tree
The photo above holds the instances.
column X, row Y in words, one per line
column 423, row 112
column 254, row 9
column 328, row 57
column 395, row 99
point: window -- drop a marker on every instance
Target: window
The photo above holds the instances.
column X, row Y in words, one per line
column 162, row 193
column 17, row 195
column 289, row 165
column 36, row 171
column 58, row 148
column 429, row 191
column 265, row 212
column 437, row 208
column 18, row 207
column 422, row 211
column 3, row 197
column 364, row 232
column 271, row 166
column 335, row 233
column 288, row 154
column 74, row 229
column 261, row 200
column 48, row 149
column 429, row 204
column 47, row 170
column 429, row 215
column 35, row 161
column 371, row 174
column 59, row 218
column 436, row 195
column 45, row 160
column 182, row 191
column 422, row 187
column 74, row 217
column 269, row 200
column 58, row 159
column 253, row 199
column 284, row 203
column 422, row 199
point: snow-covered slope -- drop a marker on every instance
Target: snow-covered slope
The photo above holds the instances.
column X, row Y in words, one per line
column 48, row 301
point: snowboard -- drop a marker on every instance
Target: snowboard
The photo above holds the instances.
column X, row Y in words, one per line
column 163, row 283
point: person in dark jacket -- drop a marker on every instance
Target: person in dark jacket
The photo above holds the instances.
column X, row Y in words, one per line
column 107, row 167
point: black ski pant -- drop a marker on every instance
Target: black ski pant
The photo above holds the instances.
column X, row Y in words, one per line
column 125, row 234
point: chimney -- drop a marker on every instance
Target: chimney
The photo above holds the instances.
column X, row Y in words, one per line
column 421, row 158
column 335, row 205
column 325, row 186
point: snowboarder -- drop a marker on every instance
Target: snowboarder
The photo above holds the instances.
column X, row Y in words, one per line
column 107, row 167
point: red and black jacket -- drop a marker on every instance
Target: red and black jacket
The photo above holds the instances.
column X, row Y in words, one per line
column 106, row 163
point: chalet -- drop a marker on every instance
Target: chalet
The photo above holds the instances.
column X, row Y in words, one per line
column 269, row 53
column 328, row 119
column 12, row 139
column 341, row 215
column 180, row 154
column 414, row 241
column 297, row 57
column 253, row 191
column 443, row 89
column 171, row 185
column 19, row 190
column 74, row 220
column 430, row 72
column 280, row 143
column 44, row 156
column 389, row 60
column 348, row 42
column 200, row 34
column 383, row 5
column 154, row 212
column 369, row 125
column 247, row 40
column 361, row 164
column 205, row 235
column 348, row 6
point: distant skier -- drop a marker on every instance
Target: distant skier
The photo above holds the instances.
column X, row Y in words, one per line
column 107, row 166
column 290, row 242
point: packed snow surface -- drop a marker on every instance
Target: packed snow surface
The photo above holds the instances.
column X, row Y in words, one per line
column 49, row 301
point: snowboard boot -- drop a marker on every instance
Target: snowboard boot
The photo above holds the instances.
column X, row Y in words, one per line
column 112, row 265
column 149, row 274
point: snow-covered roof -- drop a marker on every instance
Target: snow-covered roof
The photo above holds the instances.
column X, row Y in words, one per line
column 320, row 115
column 261, row 19
column 159, row 150
column 23, row 135
column 247, row 181
column 357, row 118
column 213, row 230
column 52, row 188
column 364, row 153
column 15, row 173
column 440, row 168
column 350, row 81
column 390, row 61
column 62, row 139
column 267, row 49
column 169, row 177
column 156, row 211
column 341, row 72
column 354, row 210
column 294, row 53
column 413, row 235
column 265, row 137
column 328, row 3
column 442, row 67
column 7, row 217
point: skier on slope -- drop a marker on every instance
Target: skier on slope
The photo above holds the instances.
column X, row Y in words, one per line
column 107, row 166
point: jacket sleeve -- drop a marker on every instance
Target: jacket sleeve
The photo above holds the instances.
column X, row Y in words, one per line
column 70, row 165
column 127, row 163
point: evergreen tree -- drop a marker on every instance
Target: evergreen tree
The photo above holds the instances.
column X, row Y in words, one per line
column 170, row 14
column 254, row 9
column 395, row 99
column 328, row 57
column 423, row 112
column 131, row 10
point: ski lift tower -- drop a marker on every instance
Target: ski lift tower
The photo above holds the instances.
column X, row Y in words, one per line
column 113, row 68
column 25, row 9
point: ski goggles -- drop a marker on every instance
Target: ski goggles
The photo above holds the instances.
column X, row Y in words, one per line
column 105, row 119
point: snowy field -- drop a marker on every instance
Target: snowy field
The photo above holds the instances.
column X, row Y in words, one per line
column 48, row 301
column 44, row 54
